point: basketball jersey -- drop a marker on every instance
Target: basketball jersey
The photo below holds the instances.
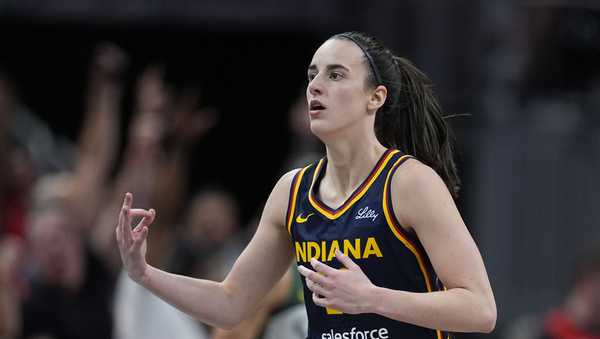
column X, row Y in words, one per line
column 365, row 228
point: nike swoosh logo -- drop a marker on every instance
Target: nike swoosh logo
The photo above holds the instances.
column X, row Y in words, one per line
column 301, row 220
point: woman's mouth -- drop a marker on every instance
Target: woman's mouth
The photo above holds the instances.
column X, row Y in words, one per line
column 316, row 107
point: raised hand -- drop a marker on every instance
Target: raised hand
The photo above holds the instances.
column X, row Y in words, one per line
column 153, row 95
column 190, row 122
column 132, row 242
column 109, row 61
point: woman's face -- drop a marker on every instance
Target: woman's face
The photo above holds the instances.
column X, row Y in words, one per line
column 337, row 92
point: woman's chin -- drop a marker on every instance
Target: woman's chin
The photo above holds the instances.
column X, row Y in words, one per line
column 321, row 129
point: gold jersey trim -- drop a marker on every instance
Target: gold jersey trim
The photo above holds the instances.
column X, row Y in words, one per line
column 397, row 230
column 293, row 197
column 355, row 196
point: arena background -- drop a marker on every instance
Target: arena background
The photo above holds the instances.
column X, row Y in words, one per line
column 525, row 72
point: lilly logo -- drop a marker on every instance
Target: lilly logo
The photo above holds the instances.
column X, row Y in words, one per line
column 302, row 220
column 366, row 213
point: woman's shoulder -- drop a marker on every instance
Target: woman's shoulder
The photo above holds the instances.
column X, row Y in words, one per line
column 277, row 204
column 417, row 189
column 284, row 183
column 287, row 178
column 414, row 176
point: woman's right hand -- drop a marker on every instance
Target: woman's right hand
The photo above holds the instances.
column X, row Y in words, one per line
column 132, row 243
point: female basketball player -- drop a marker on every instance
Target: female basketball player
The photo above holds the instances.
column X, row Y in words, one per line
column 376, row 235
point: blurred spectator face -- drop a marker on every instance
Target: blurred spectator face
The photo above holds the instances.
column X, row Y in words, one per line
column 213, row 217
column 56, row 248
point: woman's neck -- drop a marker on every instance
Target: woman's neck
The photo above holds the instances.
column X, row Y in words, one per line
column 349, row 163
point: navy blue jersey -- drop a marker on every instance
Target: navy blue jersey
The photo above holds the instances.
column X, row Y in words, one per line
column 365, row 228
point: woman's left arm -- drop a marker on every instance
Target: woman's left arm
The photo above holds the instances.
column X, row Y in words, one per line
column 422, row 201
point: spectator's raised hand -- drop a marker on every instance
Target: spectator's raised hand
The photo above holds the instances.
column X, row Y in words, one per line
column 109, row 61
column 153, row 95
column 192, row 123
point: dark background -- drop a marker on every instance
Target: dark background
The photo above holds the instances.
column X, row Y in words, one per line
column 526, row 71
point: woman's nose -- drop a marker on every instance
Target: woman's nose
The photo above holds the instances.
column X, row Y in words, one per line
column 314, row 86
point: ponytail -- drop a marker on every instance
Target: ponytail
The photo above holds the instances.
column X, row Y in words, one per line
column 411, row 118
column 415, row 124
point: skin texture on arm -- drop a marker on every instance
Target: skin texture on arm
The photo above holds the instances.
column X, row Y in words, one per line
column 252, row 326
column 421, row 200
column 220, row 304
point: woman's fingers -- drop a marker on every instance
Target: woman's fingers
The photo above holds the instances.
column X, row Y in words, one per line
column 128, row 200
column 314, row 276
column 320, row 301
column 124, row 232
column 126, row 220
column 317, row 288
column 122, row 227
column 141, row 230
column 126, row 227
column 148, row 218
column 119, row 228
column 140, row 238
column 129, row 214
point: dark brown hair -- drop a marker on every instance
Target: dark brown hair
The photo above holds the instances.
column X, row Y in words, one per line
column 411, row 118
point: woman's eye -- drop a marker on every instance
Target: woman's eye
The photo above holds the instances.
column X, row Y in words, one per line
column 335, row 76
column 311, row 76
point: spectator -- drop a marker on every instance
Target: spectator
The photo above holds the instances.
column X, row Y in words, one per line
column 70, row 287
column 578, row 317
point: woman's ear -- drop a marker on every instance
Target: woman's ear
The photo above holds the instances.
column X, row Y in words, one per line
column 377, row 98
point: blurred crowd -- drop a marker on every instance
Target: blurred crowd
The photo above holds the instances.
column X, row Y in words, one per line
column 537, row 103
column 60, row 271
